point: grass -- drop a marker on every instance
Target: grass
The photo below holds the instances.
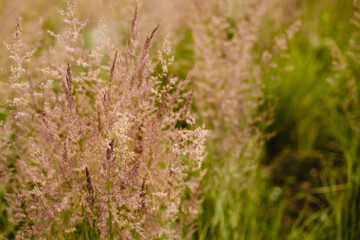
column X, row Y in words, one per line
column 304, row 182
column 313, row 149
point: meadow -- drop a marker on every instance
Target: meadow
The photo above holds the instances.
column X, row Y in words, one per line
column 181, row 119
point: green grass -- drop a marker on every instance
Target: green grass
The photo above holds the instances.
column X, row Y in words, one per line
column 313, row 158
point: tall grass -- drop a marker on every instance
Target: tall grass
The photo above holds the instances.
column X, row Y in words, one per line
column 102, row 143
column 105, row 142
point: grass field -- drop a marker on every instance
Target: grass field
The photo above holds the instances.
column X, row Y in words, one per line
column 234, row 119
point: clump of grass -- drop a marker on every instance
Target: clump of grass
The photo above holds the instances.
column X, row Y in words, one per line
column 98, row 140
column 234, row 100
